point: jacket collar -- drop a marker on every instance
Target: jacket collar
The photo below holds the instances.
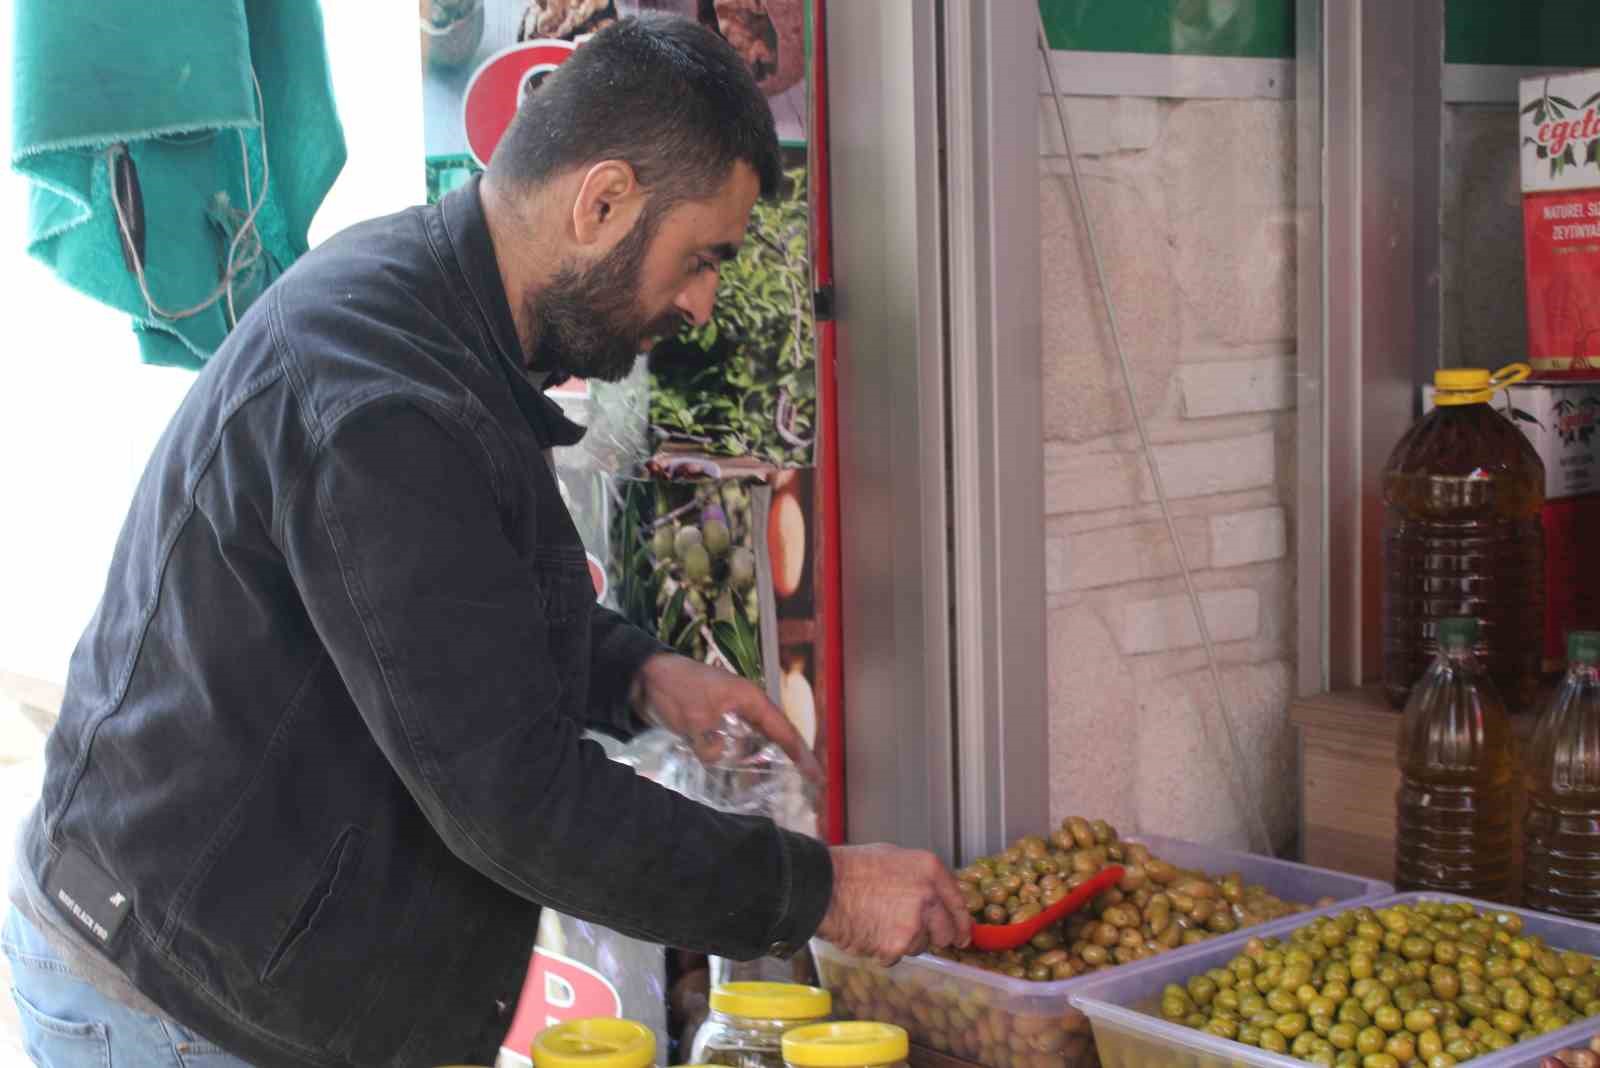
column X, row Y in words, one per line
column 469, row 254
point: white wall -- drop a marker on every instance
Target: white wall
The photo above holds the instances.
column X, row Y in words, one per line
column 79, row 414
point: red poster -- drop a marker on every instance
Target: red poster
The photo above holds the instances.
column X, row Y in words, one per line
column 558, row 989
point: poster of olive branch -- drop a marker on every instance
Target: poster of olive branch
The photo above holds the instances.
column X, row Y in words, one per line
column 684, row 567
column 744, row 384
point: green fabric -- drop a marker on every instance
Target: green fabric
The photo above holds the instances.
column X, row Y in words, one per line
column 1255, row 29
column 172, row 82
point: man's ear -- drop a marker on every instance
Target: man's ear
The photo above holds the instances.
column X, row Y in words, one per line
column 609, row 194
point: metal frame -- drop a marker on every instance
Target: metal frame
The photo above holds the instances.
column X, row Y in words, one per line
column 1378, row 317
column 1311, row 461
column 1171, row 76
column 883, row 140
column 933, row 160
column 991, row 106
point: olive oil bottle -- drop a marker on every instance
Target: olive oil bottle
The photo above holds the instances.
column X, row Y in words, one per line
column 1463, row 496
column 1562, row 829
column 1457, row 762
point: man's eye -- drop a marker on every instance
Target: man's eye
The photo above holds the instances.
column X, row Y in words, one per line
column 702, row 264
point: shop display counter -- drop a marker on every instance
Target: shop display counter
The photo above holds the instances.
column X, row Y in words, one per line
column 955, row 1012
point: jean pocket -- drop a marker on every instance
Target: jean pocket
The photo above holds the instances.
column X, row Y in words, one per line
column 59, row 1043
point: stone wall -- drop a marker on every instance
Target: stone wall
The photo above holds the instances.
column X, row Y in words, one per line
column 1192, row 202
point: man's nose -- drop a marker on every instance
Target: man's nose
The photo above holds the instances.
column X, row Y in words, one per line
column 698, row 298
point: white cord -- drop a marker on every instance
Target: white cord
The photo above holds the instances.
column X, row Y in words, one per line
column 1252, row 812
column 234, row 266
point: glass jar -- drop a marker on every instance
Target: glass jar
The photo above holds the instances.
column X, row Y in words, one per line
column 595, row 1043
column 846, row 1045
column 748, row 1022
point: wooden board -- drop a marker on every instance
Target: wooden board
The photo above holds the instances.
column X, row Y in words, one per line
column 1349, row 775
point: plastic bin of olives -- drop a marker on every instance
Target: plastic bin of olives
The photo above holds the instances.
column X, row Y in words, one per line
column 1584, row 1056
column 1408, row 980
column 1010, row 1010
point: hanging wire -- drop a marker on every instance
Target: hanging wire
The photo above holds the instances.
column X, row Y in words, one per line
column 235, row 265
column 1256, row 824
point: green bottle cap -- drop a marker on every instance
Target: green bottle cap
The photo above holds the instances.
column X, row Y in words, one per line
column 1461, row 630
column 1583, row 647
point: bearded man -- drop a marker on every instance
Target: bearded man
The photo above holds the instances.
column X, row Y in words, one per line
column 320, row 762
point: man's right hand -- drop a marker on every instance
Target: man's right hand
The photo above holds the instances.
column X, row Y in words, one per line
column 890, row 903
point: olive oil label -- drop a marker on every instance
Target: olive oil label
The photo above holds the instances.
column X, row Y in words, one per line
column 1559, row 135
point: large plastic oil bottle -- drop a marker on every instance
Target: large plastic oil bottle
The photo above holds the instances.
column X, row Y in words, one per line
column 1457, row 762
column 1562, row 828
column 1463, row 492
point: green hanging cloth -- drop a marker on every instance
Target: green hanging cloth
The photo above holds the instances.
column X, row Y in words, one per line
column 190, row 139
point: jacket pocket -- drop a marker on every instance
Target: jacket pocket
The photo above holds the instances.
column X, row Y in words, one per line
column 341, row 860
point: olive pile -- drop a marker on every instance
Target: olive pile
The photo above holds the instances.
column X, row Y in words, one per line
column 1156, row 906
column 1432, row 984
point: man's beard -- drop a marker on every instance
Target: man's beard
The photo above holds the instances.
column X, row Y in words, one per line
column 589, row 324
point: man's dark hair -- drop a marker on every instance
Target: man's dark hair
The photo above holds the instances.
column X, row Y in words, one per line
column 662, row 93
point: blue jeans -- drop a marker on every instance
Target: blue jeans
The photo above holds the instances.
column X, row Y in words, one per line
column 66, row 1023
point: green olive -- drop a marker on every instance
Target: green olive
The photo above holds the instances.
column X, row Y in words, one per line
column 1343, row 1035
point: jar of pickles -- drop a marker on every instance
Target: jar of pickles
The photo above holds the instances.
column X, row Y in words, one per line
column 846, row 1045
column 595, row 1043
column 748, row 1022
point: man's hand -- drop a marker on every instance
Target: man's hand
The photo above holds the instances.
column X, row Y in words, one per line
column 689, row 699
column 890, row 903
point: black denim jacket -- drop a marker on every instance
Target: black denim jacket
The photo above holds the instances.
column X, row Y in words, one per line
column 322, row 735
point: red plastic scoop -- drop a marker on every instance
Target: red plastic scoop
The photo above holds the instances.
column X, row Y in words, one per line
column 1000, row 937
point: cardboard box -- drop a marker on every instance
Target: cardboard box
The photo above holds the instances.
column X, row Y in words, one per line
column 1562, row 420
column 1571, row 573
column 1559, row 134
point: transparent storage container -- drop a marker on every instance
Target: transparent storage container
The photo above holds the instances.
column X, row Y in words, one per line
column 946, row 1006
column 1127, row 1036
column 748, row 1022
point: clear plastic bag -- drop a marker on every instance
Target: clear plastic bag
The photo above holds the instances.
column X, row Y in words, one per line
column 734, row 768
column 731, row 768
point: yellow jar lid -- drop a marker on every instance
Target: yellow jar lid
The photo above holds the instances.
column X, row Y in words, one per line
column 597, row 1043
column 772, row 1001
column 845, row 1045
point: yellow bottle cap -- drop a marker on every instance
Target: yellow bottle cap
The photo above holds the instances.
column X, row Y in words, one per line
column 1473, row 385
column 597, row 1043
column 772, row 1001
column 845, row 1045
